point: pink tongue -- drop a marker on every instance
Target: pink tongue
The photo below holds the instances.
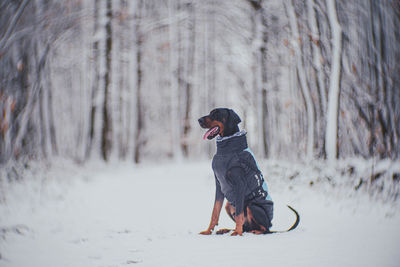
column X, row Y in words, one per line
column 211, row 131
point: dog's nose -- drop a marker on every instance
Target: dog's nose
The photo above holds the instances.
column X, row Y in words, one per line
column 201, row 121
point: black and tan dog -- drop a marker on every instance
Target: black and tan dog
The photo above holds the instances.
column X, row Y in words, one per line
column 238, row 177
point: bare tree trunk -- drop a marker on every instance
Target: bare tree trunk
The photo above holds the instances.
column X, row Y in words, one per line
column 121, row 129
column 189, row 76
column 260, row 36
column 387, row 25
column 44, row 129
column 23, row 85
column 385, row 111
column 106, row 137
column 43, row 121
column 257, row 74
column 262, row 95
column 6, row 108
column 53, row 139
column 174, row 85
column 303, row 81
column 12, row 24
column 95, row 79
column 42, row 133
column 318, row 68
column 334, row 84
column 33, row 94
column 138, row 122
column 211, row 61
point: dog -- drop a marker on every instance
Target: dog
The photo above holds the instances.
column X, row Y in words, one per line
column 238, row 178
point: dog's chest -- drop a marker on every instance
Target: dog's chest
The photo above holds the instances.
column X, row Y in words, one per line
column 220, row 165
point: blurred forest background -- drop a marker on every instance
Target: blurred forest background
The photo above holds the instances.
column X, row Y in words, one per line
column 127, row 79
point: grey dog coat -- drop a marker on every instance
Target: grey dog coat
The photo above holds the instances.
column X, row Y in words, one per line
column 239, row 179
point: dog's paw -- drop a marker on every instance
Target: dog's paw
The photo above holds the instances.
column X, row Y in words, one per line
column 206, row 232
column 236, row 233
column 223, row 231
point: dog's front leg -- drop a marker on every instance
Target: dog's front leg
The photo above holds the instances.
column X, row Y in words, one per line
column 239, row 219
column 214, row 217
column 236, row 177
column 219, row 201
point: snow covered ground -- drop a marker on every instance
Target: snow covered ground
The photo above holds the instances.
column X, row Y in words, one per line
column 150, row 215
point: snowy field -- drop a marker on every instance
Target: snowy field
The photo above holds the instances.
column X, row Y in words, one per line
column 122, row 215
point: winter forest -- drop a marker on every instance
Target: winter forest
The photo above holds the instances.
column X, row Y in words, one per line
column 314, row 82
column 128, row 79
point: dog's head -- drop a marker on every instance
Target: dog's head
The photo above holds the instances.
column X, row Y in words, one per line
column 220, row 121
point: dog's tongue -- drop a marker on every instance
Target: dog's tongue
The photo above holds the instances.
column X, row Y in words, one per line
column 212, row 131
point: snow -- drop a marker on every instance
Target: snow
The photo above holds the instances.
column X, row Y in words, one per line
column 150, row 215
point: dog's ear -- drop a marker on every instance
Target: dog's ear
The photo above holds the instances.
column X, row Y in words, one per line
column 234, row 118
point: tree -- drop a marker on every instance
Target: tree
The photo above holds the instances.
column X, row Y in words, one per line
column 136, row 65
column 96, row 78
column 106, row 134
column 260, row 39
column 188, row 79
column 334, row 83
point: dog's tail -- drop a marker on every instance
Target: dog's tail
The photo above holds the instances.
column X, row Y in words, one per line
column 296, row 223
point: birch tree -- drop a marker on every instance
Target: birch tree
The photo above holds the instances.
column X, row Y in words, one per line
column 334, row 83
column 296, row 43
column 260, row 38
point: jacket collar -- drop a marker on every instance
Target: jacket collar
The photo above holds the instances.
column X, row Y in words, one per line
column 231, row 144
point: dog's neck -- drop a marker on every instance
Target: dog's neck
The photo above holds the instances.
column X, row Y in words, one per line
column 230, row 131
column 233, row 143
